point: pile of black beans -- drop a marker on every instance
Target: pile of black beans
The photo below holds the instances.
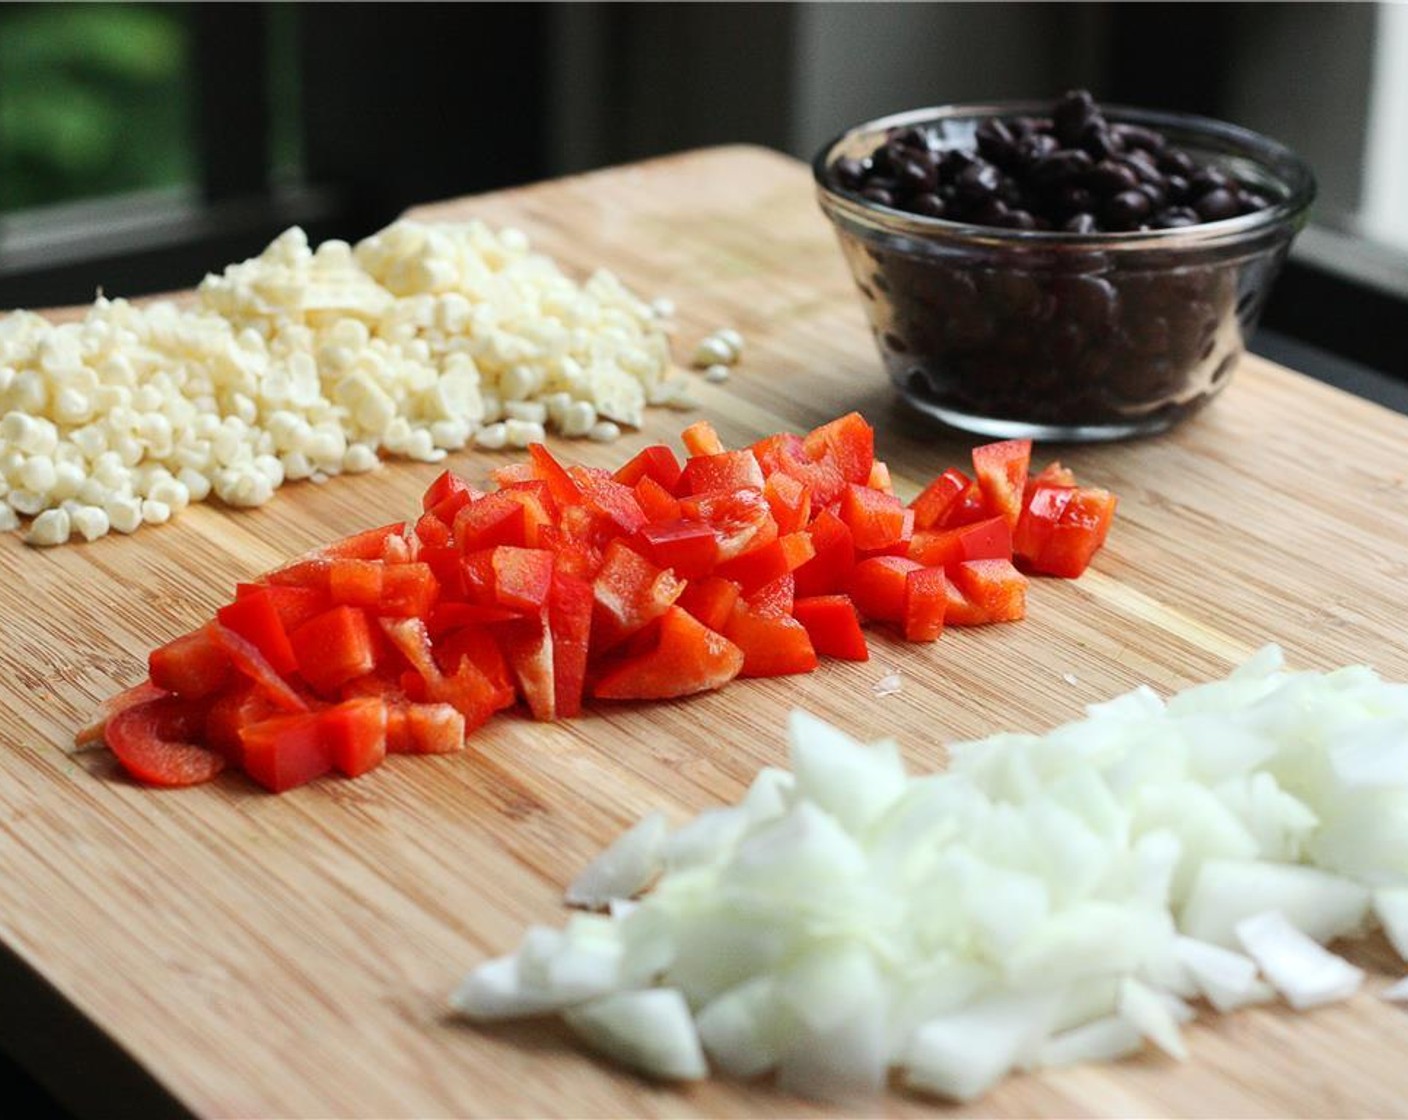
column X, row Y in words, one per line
column 1075, row 172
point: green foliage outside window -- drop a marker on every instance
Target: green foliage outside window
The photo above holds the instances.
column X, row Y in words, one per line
column 95, row 99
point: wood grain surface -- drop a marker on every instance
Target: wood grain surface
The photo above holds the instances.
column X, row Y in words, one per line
column 234, row 953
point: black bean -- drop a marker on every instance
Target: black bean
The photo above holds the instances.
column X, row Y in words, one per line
column 1083, row 222
column 878, row 195
column 930, row 205
column 1176, row 187
column 1072, row 113
column 1207, row 179
column 1156, row 194
column 849, row 172
column 917, row 176
column 1126, row 210
column 1175, row 161
column 1034, row 148
column 1252, row 201
column 1137, row 136
column 978, row 180
column 1108, row 177
column 911, row 137
column 996, row 142
column 1216, row 205
column 990, row 212
column 1174, row 217
column 1100, row 141
column 1061, row 167
column 955, row 161
column 1017, row 219
column 1073, row 198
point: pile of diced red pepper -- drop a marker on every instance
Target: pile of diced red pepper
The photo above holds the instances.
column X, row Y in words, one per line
column 566, row 582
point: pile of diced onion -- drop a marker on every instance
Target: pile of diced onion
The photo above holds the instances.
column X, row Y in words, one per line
column 305, row 363
column 1050, row 899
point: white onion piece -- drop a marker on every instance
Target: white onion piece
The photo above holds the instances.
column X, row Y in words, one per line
column 960, row 1056
column 1397, row 992
column 625, row 868
column 1302, row 971
column 1049, row 899
column 1097, row 1040
column 650, row 1031
column 1322, row 905
column 1143, row 1009
column 1391, row 908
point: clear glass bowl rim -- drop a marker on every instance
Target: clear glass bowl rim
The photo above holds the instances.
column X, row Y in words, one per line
column 1273, row 157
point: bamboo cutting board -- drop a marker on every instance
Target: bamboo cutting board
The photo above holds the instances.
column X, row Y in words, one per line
column 231, row 953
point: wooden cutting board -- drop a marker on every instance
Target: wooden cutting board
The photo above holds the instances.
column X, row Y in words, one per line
column 227, row 952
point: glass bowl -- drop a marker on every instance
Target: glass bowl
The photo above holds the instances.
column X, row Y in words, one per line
column 1063, row 336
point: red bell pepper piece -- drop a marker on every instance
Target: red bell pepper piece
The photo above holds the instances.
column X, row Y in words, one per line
column 989, row 539
column 878, row 586
column 773, row 645
column 413, row 728
column 1078, row 534
column 191, row 666
column 786, row 453
column 851, row 441
column 687, row 658
column 790, row 502
column 657, row 503
column 287, row 751
column 629, row 592
column 1043, row 508
column 656, row 462
column 247, row 659
column 925, row 604
column 945, row 493
column 710, row 599
column 1001, row 470
column 741, row 519
column 833, row 626
column 829, row 570
column 157, row 742
column 570, row 622
column 255, row 619
column 332, row 648
column 701, row 439
column 994, row 588
column 726, row 470
column 878, row 521
column 522, row 577
column 357, row 583
column 494, row 519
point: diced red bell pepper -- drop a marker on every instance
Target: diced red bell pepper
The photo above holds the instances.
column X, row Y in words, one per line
column 1001, row 470
column 247, row 659
column 741, row 519
column 878, row 586
column 408, row 590
column 528, row 646
column 726, row 470
column 773, row 645
column 447, row 495
column 454, row 616
column 790, row 502
column 925, row 604
column 367, row 545
column 989, row 539
column 701, row 439
column 356, row 731
column 786, row 453
column 772, row 561
column 139, row 693
column 432, row 531
column 829, row 570
column 687, row 546
column 932, row 507
column 878, row 521
column 570, row 608
column 1078, row 534
column 710, row 599
column 332, row 648
column 482, row 648
column 610, row 501
column 994, row 587
column 522, row 577
column 357, row 583
column 287, row 751
column 234, row 708
column 629, row 592
column 295, row 605
column 546, row 468
column 191, row 666
column 833, row 626
column 687, row 658
column 511, row 473
column 539, row 509
column 1053, row 474
column 774, row 599
column 424, row 729
column 255, row 619
column 466, row 689
column 656, row 502
column 880, row 478
column 157, row 742
column 494, row 519
column 1044, row 505
column 851, row 441
column 656, row 462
